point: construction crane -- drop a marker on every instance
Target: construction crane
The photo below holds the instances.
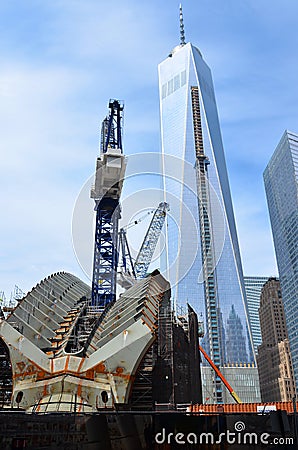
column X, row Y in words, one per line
column 220, row 375
column 127, row 263
column 110, row 171
column 139, row 269
column 15, row 296
column 148, row 246
column 207, row 246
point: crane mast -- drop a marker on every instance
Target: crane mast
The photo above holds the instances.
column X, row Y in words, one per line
column 110, row 170
column 207, row 251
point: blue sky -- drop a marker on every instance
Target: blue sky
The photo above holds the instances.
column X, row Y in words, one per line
column 60, row 62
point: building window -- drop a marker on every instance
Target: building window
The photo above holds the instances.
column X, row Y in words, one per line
column 183, row 78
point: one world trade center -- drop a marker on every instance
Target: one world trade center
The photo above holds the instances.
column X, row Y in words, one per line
column 202, row 254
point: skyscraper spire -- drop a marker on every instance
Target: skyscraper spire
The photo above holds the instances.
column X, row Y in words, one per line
column 182, row 34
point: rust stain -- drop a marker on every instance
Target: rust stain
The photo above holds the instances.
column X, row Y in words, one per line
column 89, row 374
column 38, row 407
column 100, row 368
column 40, row 375
column 31, row 369
column 45, row 390
column 21, row 366
column 124, row 376
column 80, row 364
column 80, row 389
column 66, row 363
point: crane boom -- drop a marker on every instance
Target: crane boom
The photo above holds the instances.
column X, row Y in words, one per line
column 220, row 375
column 150, row 241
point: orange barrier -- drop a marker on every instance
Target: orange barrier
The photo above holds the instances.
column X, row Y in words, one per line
column 242, row 407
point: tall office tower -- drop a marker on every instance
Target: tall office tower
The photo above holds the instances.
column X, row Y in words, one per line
column 202, row 253
column 274, row 357
column 253, row 288
column 281, row 184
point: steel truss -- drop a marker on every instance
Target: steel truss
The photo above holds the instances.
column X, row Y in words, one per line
column 105, row 252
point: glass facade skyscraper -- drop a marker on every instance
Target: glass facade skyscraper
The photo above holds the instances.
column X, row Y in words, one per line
column 201, row 253
column 281, row 185
column 253, row 288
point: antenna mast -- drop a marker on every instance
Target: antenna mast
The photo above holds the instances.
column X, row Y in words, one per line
column 182, row 33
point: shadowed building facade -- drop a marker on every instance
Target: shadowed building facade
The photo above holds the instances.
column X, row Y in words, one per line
column 281, row 184
column 274, row 356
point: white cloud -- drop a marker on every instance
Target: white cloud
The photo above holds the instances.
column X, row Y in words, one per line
column 60, row 63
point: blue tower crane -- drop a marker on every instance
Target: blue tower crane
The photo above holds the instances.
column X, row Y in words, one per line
column 110, row 170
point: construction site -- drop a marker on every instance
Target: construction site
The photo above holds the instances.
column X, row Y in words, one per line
column 86, row 367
